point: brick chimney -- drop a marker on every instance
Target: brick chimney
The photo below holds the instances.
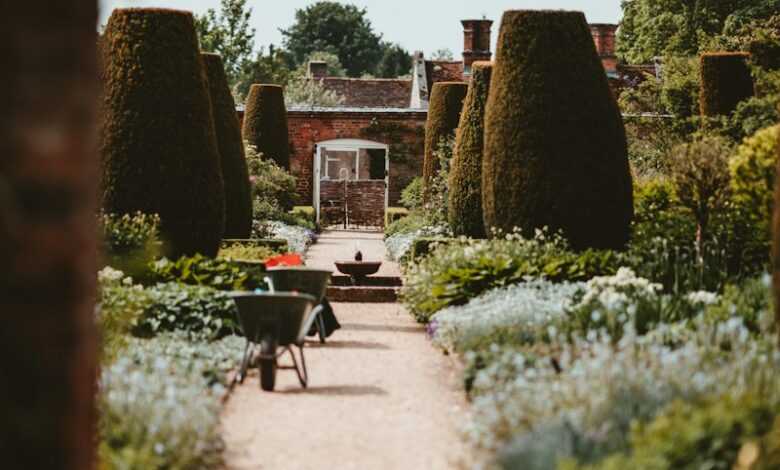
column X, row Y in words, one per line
column 604, row 38
column 476, row 42
column 318, row 69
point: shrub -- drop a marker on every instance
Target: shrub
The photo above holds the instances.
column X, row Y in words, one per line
column 273, row 188
column 462, row 270
column 121, row 306
column 411, row 196
column 265, row 123
column 244, row 252
column 725, row 82
column 555, row 146
column 444, row 111
column 159, row 404
column 752, row 171
column 465, row 178
column 238, row 198
column 708, row 434
column 776, row 243
column 219, row 274
column 130, row 241
column 158, row 146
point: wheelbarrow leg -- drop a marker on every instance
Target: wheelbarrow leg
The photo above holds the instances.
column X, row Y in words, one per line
column 267, row 363
column 321, row 327
column 303, row 376
column 248, row 350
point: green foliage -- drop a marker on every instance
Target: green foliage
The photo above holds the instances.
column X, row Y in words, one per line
column 395, row 62
column 228, row 33
column 444, row 110
column 265, row 123
column 301, row 91
column 753, row 170
column 220, row 274
column 272, row 187
column 201, row 312
column 341, row 29
column 125, row 233
column 725, row 82
column 465, row 176
column 436, row 195
column 244, row 252
column 274, row 67
column 692, row 436
column 412, row 194
column 158, row 145
column 571, row 173
column 459, row 271
column 750, row 300
column 393, row 214
column 653, row 28
column 238, row 199
column 121, row 306
column 408, row 224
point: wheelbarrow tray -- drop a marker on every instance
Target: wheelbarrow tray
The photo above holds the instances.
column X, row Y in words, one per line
column 307, row 280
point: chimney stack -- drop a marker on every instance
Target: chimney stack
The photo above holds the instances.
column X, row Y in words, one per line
column 318, row 69
column 604, row 38
column 476, row 42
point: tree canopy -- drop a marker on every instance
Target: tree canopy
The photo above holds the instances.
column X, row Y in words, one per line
column 343, row 30
column 228, row 33
column 652, row 28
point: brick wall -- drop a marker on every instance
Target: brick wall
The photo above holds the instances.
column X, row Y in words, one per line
column 365, row 200
column 402, row 131
column 48, row 170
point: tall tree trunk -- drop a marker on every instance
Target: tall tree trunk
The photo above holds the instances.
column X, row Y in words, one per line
column 48, row 174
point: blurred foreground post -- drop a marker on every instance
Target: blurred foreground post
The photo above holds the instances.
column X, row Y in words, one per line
column 48, row 176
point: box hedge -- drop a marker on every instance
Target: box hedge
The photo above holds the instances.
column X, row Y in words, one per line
column 465, row 179
column 725, row 82
column 555, row 146
column 265, row 123
column 444, row 111
column 158, row 146
column 238, row 197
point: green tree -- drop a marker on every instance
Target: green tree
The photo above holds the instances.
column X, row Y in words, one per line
column 395, row 62
column 227, row 33
column 340, row 29
column 653, row 28
column 442, row 54
column 274, row 67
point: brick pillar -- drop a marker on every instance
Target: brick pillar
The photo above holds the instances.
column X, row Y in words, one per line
column 48, row 174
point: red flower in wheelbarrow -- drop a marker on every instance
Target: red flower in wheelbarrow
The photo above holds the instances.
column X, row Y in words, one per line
column 290, row 259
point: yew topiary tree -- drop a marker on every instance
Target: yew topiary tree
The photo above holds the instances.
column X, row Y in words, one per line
column 265, row 123
column 725, row 82
column 465, row 179
column 776, row 240
column 444, row 111
column 158, row 145
column 238, row 197
column 555, row 146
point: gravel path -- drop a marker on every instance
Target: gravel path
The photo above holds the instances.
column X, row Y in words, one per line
column 379, row 397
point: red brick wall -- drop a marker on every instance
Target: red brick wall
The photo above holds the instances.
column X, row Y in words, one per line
column 404, row 132
column 48, row 170
column 365, row 200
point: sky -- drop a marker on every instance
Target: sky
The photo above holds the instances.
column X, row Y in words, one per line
column 426, row 25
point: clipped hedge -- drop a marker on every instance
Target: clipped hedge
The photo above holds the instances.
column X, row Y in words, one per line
column 776, row 242
column 752, row 171
column 444, row 111
column 238, row 197
column 265, row 123
column 465, row 196
column 158, row 146
column 555, row 146
column 725, row 82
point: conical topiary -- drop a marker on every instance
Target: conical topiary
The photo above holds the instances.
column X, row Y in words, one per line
column 158, row 145
column 265, row 123
column 444, row 110
column 725, row 82
column 776, row 239
column 555, row 146
column 465, row 179
column 238, row 197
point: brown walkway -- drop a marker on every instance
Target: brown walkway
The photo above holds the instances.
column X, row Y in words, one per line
column 380, row 396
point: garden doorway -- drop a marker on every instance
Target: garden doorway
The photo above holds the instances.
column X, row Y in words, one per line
column 351, row 181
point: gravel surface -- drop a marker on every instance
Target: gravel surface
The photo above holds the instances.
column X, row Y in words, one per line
column 379, row 397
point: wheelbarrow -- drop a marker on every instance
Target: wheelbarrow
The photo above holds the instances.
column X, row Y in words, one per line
column 274, row 323
column 301, row 279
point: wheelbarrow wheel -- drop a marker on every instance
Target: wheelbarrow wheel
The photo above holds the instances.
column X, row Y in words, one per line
column 267, row 364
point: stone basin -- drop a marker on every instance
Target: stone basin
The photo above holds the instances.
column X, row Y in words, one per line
column 358, row 269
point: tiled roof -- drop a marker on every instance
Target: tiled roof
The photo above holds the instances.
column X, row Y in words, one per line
column 371, row 92
column 443, row 71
